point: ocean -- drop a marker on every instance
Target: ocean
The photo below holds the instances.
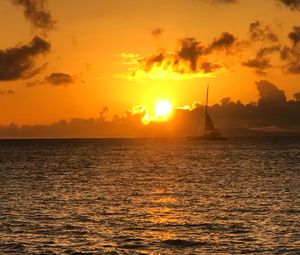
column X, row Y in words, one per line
column 150, row 196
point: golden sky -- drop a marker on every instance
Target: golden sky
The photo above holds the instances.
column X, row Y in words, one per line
column 96, row 46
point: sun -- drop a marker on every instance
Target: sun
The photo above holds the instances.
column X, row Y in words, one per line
column 163, row 109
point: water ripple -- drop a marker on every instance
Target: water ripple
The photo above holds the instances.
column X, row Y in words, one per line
column 149, row 197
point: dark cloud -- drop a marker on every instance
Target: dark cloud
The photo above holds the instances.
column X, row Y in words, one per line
column 291, row 55
column 292, row 4
column 104, row 112
column 220, row 1
column 297, row 96
column 157, row 59
column 208, row 67
column 295, row 35
column 157, row 32
column 292, row 58
column 262, row 60
column 225, row 101
column 54, row 79
column 259, row 64
column 59, row 79
column 224, row 42
column 225, row 1
column 269, row 93
column 6, row 92
column 263, row 52
column 36, row 12
column 190, row 50
column 33, row 83
column 19, row 62
column 258, row 32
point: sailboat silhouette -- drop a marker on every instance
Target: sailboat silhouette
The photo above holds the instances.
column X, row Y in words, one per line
column 210, row 132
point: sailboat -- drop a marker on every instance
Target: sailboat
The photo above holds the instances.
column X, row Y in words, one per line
column 210, row 132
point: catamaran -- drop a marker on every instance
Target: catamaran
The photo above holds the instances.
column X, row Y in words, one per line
column 210, row 132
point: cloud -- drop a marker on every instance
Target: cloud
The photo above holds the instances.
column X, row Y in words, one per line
column 292, row 58
column 33, row 83
column 295, row 36
column 225, row 1
column 297, row 96
column 157, row 32
column 224, row 42
column 208, row 67
column 19, row 62
column 59, row 79
column 258, row 32
column 6, row 92
column 225, row 101
column 220, row 1
column 294, row 5
column 54, row 79
column 36, row 12
column 262, row 61
column 259, row 64
column 269, row 93
column 190, row 51
column 291, row 55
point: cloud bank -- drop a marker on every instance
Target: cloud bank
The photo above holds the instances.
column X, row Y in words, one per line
column 271, row 114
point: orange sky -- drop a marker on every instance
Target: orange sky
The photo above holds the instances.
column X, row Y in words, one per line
column 90, row 38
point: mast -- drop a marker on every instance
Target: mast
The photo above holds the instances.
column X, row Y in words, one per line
column 206, row 109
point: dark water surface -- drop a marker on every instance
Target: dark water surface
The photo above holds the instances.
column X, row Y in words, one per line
column 241, row 196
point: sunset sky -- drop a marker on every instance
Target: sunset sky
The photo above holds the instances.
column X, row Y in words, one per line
column 121, row 54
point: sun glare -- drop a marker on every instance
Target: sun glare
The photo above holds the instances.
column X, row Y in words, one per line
column 163, row 109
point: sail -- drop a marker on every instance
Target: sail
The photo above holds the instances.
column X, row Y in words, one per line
column 209, row 125
column 210, row 133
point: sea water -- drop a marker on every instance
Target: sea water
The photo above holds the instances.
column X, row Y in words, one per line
column 150, row 196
